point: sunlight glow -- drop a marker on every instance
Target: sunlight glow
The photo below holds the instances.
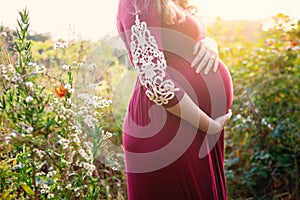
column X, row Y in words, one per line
column 93, row 19
column 251, row 9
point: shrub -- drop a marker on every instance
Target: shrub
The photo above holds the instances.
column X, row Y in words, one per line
column 51, row 137
column 262, row 143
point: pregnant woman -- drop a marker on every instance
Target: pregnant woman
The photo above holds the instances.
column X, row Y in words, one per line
column 173, row 133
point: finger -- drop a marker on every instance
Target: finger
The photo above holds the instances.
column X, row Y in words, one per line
column 209, row 65
column 229, row 114
column 196, row 47
column 216, row 65
column 210, row 44
column 196, row 60
column 203, row 62
column 198, row 57
column 227, row 117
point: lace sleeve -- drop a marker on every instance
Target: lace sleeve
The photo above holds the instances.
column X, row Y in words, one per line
column 151, row 64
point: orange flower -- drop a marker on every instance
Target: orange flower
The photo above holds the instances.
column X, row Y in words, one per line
column 294, row 44
column 60, row 91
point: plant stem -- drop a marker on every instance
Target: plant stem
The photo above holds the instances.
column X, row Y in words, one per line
column 296, row 174
column 34, row 173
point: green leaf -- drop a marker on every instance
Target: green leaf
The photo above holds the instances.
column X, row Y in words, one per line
column 52, row 187
column 3, row 103
column 49, row 123
column 10, row 96
column 27, row 189
column 41, row 109
column 28, row 170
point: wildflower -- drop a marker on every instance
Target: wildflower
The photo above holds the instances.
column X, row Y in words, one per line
column 40, row 68
column 32, row 64
column 39, row 153
column 89, row 152
column 67, row 86
column 82, row 153
column 4, row 34
column 6, row 77
column 14, row 79
column 29, row 129
column 29, row 84
column 63, row 117
column 69, row 186
column 50, row 195
column 78, row 131
column 17, row 78
column 81, row 64
column 102, row 103
column 7, row 139
column 60, row 91
column 11, row 68
column 66, row 146
column 114, row 168
column 76, row 140
column 92, row 167
column 90, row 121
column 89, row 173
column 295, row 48
column 65, row 67
column 86, row 165
column 40, row 173
column 4, row 71
column 45, row 188
column 238, row 116
column 71, row 90
column 29, row 99
column 64, row 142
column 109, row 135
column 91, row 67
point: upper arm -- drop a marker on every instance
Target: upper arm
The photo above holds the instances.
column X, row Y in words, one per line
column 142, row 36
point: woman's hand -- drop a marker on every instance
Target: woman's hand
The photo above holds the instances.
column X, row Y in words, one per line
column 207, row 55
column 218, row 123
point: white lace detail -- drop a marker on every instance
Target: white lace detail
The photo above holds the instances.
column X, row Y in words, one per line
column 151, row 64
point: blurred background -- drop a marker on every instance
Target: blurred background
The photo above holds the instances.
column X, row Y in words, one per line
column 92, row 19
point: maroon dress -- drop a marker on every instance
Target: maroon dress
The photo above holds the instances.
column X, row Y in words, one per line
column 166, row 157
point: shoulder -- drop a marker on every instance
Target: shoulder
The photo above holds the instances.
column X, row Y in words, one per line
column 146, row 9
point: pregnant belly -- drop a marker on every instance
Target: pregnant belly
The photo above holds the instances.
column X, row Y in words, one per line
column 213, row 93
column 221, row 83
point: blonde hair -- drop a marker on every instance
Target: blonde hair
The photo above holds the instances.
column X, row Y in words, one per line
column 172, row 11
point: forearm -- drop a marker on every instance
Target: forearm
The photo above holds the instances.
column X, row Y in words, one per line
column 186, row 109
